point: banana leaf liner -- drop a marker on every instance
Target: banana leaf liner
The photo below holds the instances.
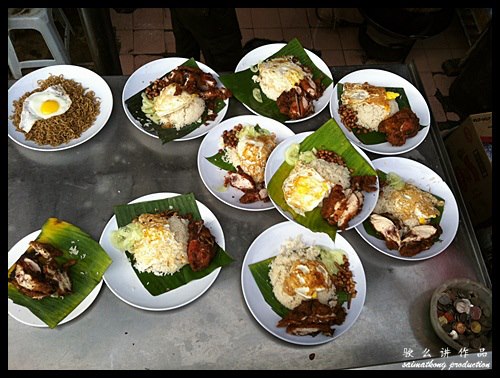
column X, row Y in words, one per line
column 328, row 137
column 134, row 105
column 242, row 85
column 260, row 272
column 86, row 274
column 370, row 230
column 376, row 137
column 184, row 204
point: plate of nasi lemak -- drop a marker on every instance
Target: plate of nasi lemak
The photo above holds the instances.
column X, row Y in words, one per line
column 380, row 111
column 282, row 81
column 175, row 99
column 301, row 286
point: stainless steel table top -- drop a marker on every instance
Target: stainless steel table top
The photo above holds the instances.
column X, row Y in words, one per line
column 81, row 185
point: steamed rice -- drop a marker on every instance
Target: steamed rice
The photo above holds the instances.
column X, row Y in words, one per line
column 291, row 251
column 158, row 245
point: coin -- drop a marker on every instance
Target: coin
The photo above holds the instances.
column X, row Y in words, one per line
column 475, row 312
column 475, row 326
column 460, row 327
column 475, row 343
column 444, row 299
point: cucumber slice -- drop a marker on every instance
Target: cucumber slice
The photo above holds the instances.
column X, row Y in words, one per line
column 292, row 154
column 257, row 95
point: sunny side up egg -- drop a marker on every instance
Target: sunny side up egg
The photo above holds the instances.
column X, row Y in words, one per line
column 304, row 189
column 51, row 102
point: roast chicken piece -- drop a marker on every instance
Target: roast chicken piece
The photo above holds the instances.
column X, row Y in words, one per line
column 400, row 126
column 38, row 275
column 201, row 246
column 339, row 207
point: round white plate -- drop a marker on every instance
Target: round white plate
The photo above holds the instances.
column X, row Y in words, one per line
column 87, row 78
column 124, row 283
column 426, row 179
column 213, row 177
column 263, row 52
column 277, row 158
column 21, row 313
column 151, row 71
column 266, row 245
column 383, row 78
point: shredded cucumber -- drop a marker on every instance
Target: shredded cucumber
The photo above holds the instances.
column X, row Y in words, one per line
column 395, row 181
column 125, row 237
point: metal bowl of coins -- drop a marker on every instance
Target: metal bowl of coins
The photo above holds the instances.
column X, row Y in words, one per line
column 461, row 314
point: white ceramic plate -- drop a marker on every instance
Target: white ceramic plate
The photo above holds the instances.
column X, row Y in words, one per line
column 21, row 313
column 426, row 179
column 266, row 245
column 213, row 177
column 87, row 78
column 277, row 158
column 124, row 283
column 151, row 71
column 385, row 79
column 263, row 52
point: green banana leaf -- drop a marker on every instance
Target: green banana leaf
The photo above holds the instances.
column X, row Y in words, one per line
column 92, row 262
column 134, row 105
column 376, row 137
column 218, row 161
column 370, row 230
column 184, row 204
column 260, row 272
column 328, row 137
column 242, row 85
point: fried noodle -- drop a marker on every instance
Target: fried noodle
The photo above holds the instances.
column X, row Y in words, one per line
column 63, row 128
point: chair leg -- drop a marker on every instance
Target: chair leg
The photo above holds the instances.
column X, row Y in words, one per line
column 55, row 44
column 13, row 61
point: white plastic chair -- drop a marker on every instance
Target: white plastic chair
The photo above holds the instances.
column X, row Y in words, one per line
column 42, row 20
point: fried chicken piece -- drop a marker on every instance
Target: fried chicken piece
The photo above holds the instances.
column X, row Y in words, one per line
column 201, row 246
column 400, row 126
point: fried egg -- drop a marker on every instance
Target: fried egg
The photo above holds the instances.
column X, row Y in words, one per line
column 253, row 153
column 51, row 102
column 307, row 278
column 304, row 189
column 278, row 75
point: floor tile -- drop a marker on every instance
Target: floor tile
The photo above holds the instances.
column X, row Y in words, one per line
column 419, row 58
column 265, row 18
column 121, row 21
column 451, row 116
column 443, row 83
column 428, row 83
column 127, row 64
column 167, row 21
column 349, row 15
column 325, row 38
column 438, row 41
column 170, row 42
column 244, row 17
column 125, row 40
column 149, row 42
column 325, row 20
column 437, row 109
column 273, row 34
column 459, row 53
column 349, row 37
column 302, row 34
column 246, row 35
column 333, row 58
column 293, row 17
column 436, row 57
column 140, row 60
column 148, row 18
column 353, row 57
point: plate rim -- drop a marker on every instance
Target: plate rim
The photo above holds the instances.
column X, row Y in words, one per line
column 269, row 176
column 245, row 271
column 170, row 61
column 45, row 71
column 204, row 143
column 210, row 278
column 35, row 321
column 395, row 150
column 313, row 56
column 454, row 218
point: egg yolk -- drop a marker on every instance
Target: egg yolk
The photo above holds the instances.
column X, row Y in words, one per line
column 49, row 107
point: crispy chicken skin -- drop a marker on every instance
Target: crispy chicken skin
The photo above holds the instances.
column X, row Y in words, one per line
column 400, row 126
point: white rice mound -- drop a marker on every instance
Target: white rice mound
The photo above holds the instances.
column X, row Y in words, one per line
column 291, row 250
column 163, row 247
column 332, row 172
column 178, row 110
